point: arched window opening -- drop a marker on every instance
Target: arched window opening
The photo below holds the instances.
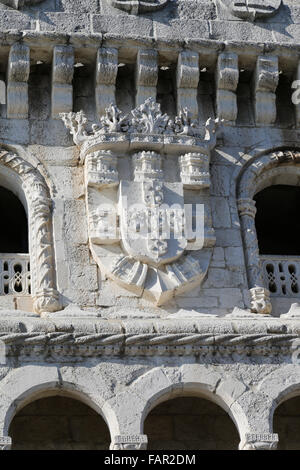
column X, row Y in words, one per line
column 14, row 257
column 277, row 220
column 286, row 424
column 14, row 233
column 58, row 423
column 190, row 423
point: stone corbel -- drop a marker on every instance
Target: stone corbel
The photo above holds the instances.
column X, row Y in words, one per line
column 62, row 76
column 106, row 75
column 17, row 81
column 265, row 85
column 260, row 296
column 5, row 443
column 263, row 441
column 227, row 78
column 146, row 75
column 187, row 82
column 130, row 442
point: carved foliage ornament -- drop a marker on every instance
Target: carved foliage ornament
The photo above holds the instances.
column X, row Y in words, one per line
column 139, row 6
column 252, row 9
column 142, row 234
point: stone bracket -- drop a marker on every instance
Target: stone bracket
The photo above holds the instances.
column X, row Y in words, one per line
column 105, row 78
column 265, row 85
column 146, row 75
column 17, row 81
column 188, row 75
column 227, row 78
column 62, row 76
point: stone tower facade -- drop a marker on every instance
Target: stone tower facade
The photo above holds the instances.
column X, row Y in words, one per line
column 149, row 192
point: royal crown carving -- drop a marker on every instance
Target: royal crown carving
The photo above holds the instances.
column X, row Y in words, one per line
column 142, row 234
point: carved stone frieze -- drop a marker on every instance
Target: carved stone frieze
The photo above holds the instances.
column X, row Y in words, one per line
column 142, row 234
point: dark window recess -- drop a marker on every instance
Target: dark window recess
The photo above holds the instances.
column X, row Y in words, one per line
column 14, row 228
column 277, row 220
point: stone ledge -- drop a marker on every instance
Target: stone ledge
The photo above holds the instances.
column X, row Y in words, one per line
column 87, row 335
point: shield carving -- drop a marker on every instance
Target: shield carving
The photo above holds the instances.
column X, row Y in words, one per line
column 139, row 6
column 252, row 9
column 152, row 221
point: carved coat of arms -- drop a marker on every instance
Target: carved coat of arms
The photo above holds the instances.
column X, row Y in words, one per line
column 252, row 9
column 144, row 234
column 139, row 6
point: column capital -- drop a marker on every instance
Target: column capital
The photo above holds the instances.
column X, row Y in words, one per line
column 5, row 443
column 129, row 442
column 259, row 441
column 246, row 207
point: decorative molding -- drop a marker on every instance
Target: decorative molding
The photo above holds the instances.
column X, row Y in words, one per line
column 62, row 76
column 17, row 81
column 42, row 262
column 135, row 7
column 227, row 78
column 147, row 221
column 265, row 84
column 131, row 442
column 81, row 345
column 253, row 178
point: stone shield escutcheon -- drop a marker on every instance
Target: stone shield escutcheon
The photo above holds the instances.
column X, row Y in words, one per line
column 250, row 9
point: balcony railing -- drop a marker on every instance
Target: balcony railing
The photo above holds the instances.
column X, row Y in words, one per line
column 282, row 275
column 15, row 274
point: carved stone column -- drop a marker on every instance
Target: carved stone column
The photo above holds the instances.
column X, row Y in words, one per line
column 146, row 75
column 264, row 441
column 265, row 85
column 17, row 81
column 106, row 75
column 43, row 276
column 129, row 442
column 187, row 82
column 260, row 297
column 5, row 443
column 62, row 76
column 227, row 78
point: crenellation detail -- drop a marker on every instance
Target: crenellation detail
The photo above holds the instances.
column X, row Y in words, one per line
column 194, row 171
